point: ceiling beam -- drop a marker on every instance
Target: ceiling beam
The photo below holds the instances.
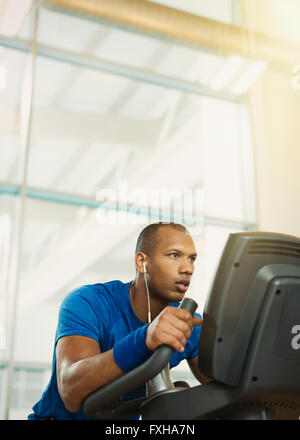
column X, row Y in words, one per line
column 91, row 45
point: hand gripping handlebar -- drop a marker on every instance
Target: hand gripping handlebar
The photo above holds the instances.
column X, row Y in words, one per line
column 106, row 402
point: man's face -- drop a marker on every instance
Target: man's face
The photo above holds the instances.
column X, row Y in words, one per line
column 171, row 265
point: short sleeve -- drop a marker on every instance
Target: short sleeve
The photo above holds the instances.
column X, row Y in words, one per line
column 77, row 317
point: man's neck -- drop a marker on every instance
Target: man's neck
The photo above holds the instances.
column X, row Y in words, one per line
column 139, row 302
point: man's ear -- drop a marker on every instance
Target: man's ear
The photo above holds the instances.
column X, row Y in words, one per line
column 141, row 262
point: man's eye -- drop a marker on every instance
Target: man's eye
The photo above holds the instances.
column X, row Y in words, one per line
column 173, row 254
column 192, row 259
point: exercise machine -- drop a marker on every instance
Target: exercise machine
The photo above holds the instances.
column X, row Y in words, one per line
column 249, row 344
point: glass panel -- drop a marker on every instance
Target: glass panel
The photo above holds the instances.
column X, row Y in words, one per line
column 92, row 131
column 188, row 64
column 8, row 207
column 101, row 127
column 122, row 47
column 28, row 386
column 5, row 231
column 85, row 36
column 13, row 64
column 209, row 248
column 222, row 172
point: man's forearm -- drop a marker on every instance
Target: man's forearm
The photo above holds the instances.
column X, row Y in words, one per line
column 85, row 376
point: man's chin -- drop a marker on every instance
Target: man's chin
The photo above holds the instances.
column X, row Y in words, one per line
column 176, row 295
column 172, row 295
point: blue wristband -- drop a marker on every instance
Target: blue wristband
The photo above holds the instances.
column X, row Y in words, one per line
column 132, row 351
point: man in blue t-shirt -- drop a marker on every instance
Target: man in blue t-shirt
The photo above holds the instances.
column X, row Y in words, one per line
column 105, row 330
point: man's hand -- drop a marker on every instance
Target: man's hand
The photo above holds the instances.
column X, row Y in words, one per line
column 173, row 327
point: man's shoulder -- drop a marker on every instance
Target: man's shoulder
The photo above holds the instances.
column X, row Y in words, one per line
column 95, row 292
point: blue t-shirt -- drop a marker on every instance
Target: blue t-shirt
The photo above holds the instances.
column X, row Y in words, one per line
column 102, row 312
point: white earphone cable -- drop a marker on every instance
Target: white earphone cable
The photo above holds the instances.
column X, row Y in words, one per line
column 148, row 298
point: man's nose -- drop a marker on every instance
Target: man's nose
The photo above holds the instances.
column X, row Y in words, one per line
column 186, row 267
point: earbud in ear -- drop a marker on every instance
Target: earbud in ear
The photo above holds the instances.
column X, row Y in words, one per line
column 144, row 266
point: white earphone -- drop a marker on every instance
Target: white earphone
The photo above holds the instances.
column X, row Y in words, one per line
column 148, row 296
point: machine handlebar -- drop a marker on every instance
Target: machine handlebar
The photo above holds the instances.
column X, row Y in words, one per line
column 108, row 397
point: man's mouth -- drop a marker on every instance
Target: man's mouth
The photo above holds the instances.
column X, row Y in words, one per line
column 182, row 285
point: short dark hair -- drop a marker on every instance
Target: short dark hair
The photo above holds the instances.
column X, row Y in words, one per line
column 148, row 238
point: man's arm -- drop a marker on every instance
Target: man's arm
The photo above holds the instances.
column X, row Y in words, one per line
column 82, row 368
column 193, row 364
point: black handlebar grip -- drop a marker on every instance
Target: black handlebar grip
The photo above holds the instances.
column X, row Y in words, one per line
column 189, row 304
column 113, row 391
column 165, row 351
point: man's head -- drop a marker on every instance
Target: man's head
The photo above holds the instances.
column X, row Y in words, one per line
column 169, row 253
